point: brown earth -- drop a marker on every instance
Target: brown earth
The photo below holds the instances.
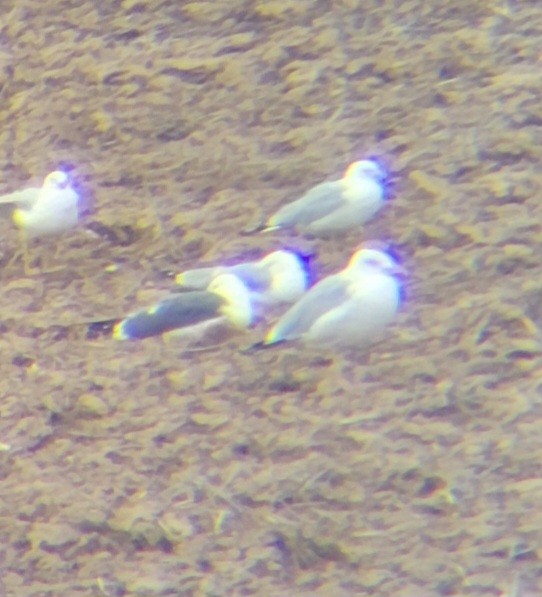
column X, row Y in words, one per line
column 145, row 469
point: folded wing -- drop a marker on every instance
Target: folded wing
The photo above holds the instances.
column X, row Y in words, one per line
column 319, row 301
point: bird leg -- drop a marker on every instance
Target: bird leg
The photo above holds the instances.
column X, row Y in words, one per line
column 42, row 268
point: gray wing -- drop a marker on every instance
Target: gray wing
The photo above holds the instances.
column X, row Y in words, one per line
column 322, row 298
column 180, row 311
column 254, row 277
column 25, row 198
column 198, row 279
column 317, row 203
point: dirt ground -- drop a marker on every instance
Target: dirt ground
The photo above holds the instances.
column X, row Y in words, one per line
column 412, row 470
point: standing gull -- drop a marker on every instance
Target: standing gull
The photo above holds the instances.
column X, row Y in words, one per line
column 347, row 309
column 335, row 206
column 42, row 211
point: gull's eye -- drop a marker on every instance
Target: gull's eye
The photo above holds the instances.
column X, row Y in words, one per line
column 374, row 262
column 381, row 262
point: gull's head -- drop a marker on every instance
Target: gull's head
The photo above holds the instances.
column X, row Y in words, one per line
column 56, row 180
column 374, row 260
column 365, row 169
column 237, row 306
column 288, row 273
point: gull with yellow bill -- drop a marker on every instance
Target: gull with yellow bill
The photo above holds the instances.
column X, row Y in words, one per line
column 226, row 302
column 41, row 211
column 336, row 206
column 349, row 309
column 279, row 277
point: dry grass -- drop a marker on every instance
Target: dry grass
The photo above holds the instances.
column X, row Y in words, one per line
column 145, row 469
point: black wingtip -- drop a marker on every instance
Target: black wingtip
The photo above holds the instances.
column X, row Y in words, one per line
column 257, row 346
column 101, row 329
column 262, row 345
column 250, row 231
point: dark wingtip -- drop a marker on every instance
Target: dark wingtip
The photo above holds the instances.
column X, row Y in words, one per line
column 101, row 329
column 257, row 346
column 262, row 345
column 250, row 231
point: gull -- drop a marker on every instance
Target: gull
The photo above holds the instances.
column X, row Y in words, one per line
column 41, row 211
column 335, row 206
column 348, row 309
column 226, row 301
column 279, row 277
